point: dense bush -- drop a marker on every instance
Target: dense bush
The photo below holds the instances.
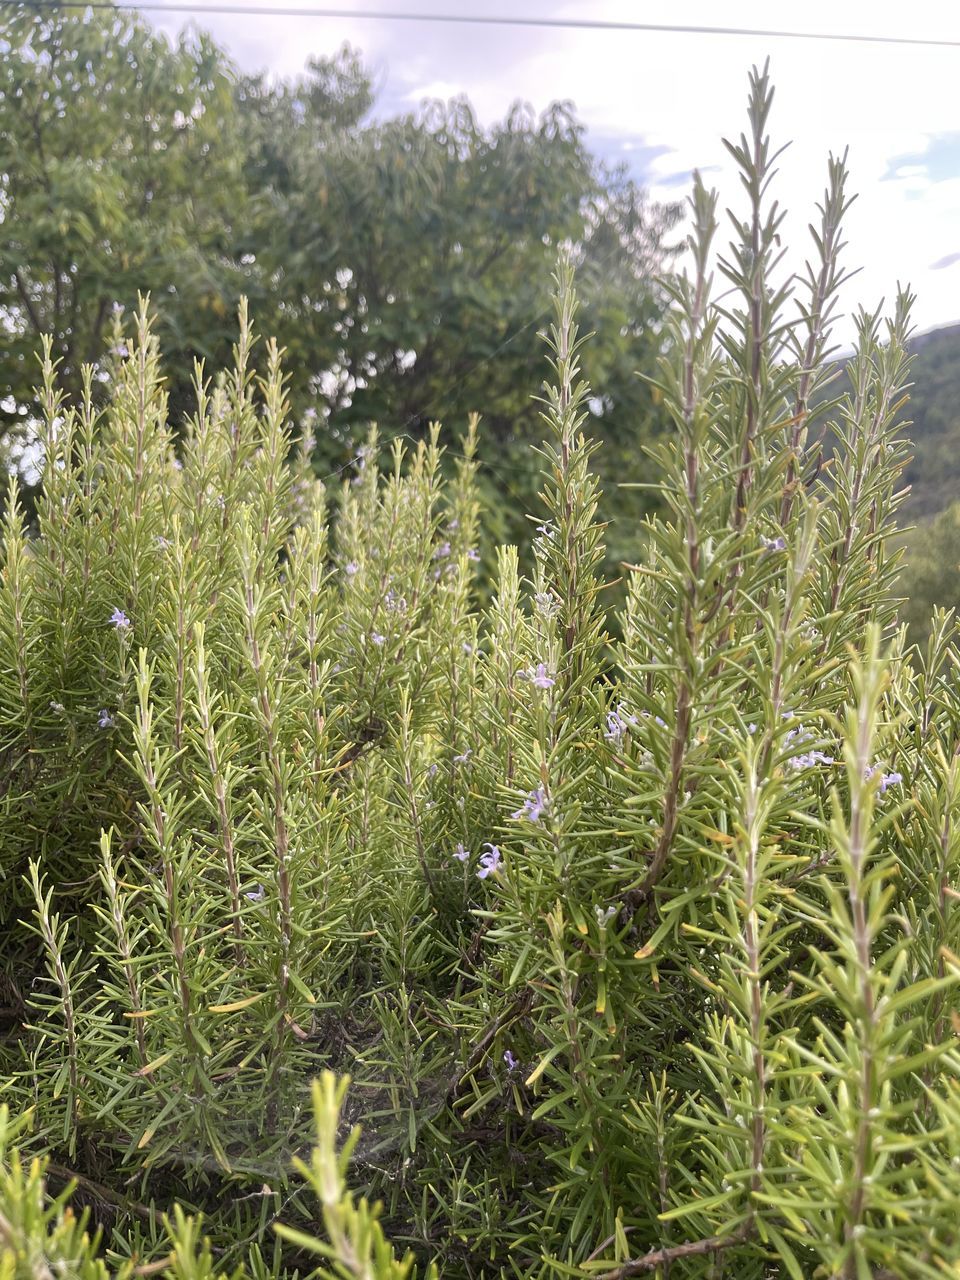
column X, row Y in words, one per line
column 641, row 953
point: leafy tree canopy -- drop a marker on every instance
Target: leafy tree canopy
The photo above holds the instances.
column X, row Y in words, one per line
column 404, row 264
column 121, row 169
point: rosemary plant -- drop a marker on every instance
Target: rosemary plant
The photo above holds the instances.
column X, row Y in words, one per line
column 638, row 938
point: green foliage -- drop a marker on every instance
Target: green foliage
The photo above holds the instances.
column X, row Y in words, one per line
column 929, row 515
column 40, row 1235
column 641, row 952
column 931, row 571
column 121, row 168
column 402, row 265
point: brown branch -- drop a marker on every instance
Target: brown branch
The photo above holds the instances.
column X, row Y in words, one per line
column 660, row 1257
column 25, row 299
column 60, row 1173
column 519, row 1007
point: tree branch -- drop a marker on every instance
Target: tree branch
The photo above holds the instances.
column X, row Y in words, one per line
column 660, row 1257
column 25, row 299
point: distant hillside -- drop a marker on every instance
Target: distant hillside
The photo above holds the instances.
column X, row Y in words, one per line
column 934, row 412
column 931, row 571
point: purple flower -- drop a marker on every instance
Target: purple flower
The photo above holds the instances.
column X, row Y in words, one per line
column 350, row 568
column 615, row 728
column 464, row 756
column 256, row 895
column 510, row 1060
column 533, row 807
column 489, row 861
column 886, row 779
column 377, row 638
column 808, row 759
column 442, row 551
column 119, row 620
column 539, row 676
column 617, row 724
column 774, row 544
column 105, row 720
column 460, row 853
column 473, row 554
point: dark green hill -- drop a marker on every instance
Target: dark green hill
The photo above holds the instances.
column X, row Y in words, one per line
column 934, row 412
column 931, row 511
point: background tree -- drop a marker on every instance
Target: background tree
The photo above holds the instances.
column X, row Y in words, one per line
column 410, row 262
column 121, row 169
column 404, row 264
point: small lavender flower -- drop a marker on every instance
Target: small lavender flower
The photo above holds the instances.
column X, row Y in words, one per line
column 256, row 895
column 464, row 756
column 162, row 542
column 432, row 771
column 489, row 861
column 615, row 728
column 105, row 720
column 461, row 853
column 473, row 555
column 350, row 568
column 467, row 647
column 774, row 544
column 533, row 807
column 617, row 724
column 453, row 526
column 604, row 917
column 442, row 552
column 119, row 620
column 539, row 676
column 799, row 735
column 377, row 638
column 808, row 759
column 886, row 779
column 510, row 1060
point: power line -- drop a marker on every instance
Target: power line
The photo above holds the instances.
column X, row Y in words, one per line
column 483, row 20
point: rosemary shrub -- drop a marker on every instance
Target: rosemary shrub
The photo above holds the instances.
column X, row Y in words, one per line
column 638, row 943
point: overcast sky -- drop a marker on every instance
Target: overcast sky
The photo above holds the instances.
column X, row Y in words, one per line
column 663, row 101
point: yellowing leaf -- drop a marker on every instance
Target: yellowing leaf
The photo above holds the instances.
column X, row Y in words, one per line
column 236, row 1005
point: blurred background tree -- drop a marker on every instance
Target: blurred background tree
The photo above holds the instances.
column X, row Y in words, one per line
column 405, row 263
column 409, row 266
column 121, row 169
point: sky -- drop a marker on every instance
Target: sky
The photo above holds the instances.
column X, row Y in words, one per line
column 662, row 102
